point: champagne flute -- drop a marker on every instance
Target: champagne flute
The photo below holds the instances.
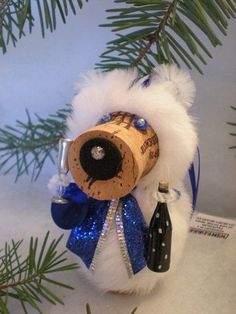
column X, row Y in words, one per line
column 63, row 168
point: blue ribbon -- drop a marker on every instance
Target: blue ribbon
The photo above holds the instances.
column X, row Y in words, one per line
column 195, row 180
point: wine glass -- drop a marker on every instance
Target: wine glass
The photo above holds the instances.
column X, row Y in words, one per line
column 63, row 168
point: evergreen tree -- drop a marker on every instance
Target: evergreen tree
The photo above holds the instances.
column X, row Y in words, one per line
column 147, row 33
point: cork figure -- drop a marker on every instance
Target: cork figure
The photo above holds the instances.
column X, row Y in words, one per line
column 125, row 135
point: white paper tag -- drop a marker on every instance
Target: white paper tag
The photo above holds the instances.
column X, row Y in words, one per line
column 212, row 226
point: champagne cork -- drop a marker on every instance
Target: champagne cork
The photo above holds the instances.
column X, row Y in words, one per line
column 108, row 160
column 163, row 186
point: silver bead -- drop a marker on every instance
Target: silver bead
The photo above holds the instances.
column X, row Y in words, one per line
column 98, row 153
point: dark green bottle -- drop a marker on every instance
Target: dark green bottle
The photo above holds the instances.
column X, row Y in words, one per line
column 160, row 232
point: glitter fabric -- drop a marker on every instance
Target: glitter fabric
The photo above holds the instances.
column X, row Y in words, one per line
column 88, row 239
column 84, row 238
column 136, row 231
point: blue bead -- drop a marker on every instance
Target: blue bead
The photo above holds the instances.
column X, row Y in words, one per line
column 105, row 118
column 140, row 124
column 147, row 82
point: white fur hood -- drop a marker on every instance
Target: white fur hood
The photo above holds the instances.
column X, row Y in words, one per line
column 164, row 104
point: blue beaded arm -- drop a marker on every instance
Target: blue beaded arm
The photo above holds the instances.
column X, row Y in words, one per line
column 67, row 216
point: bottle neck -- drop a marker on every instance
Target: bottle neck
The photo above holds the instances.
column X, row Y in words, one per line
column 161, row 190
column 162, row 196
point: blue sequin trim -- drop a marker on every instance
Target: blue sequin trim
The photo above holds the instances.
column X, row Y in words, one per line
column 136, row 230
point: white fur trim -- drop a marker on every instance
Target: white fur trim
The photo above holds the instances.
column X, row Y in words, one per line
column 184, row 88
column 102, row 93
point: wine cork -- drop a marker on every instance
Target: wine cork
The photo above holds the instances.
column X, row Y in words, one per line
column 108, row 160
column 163, row 186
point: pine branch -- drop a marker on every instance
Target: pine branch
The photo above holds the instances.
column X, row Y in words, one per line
column 165, row 32
column 16, row 15
column 28, row 279
column 160, row 32
column 26, row 147
column 155, row 36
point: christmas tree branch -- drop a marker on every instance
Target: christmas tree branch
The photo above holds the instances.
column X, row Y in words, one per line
column 28, row 279
column 152, row 38
column 165, row 32
column 15, row 15
column 150, row 33
column 26, row 147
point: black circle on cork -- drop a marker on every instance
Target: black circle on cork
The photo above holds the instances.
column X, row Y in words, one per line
column 107, row 167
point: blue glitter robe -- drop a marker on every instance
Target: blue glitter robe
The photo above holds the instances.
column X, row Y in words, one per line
column 86, row 217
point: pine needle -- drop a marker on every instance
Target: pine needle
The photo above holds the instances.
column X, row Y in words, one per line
column 26, row 279
column 26, row 147
column 152, row 21
column 16, row 16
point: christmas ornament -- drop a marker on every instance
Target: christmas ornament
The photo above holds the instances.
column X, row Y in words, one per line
column 128, row 134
